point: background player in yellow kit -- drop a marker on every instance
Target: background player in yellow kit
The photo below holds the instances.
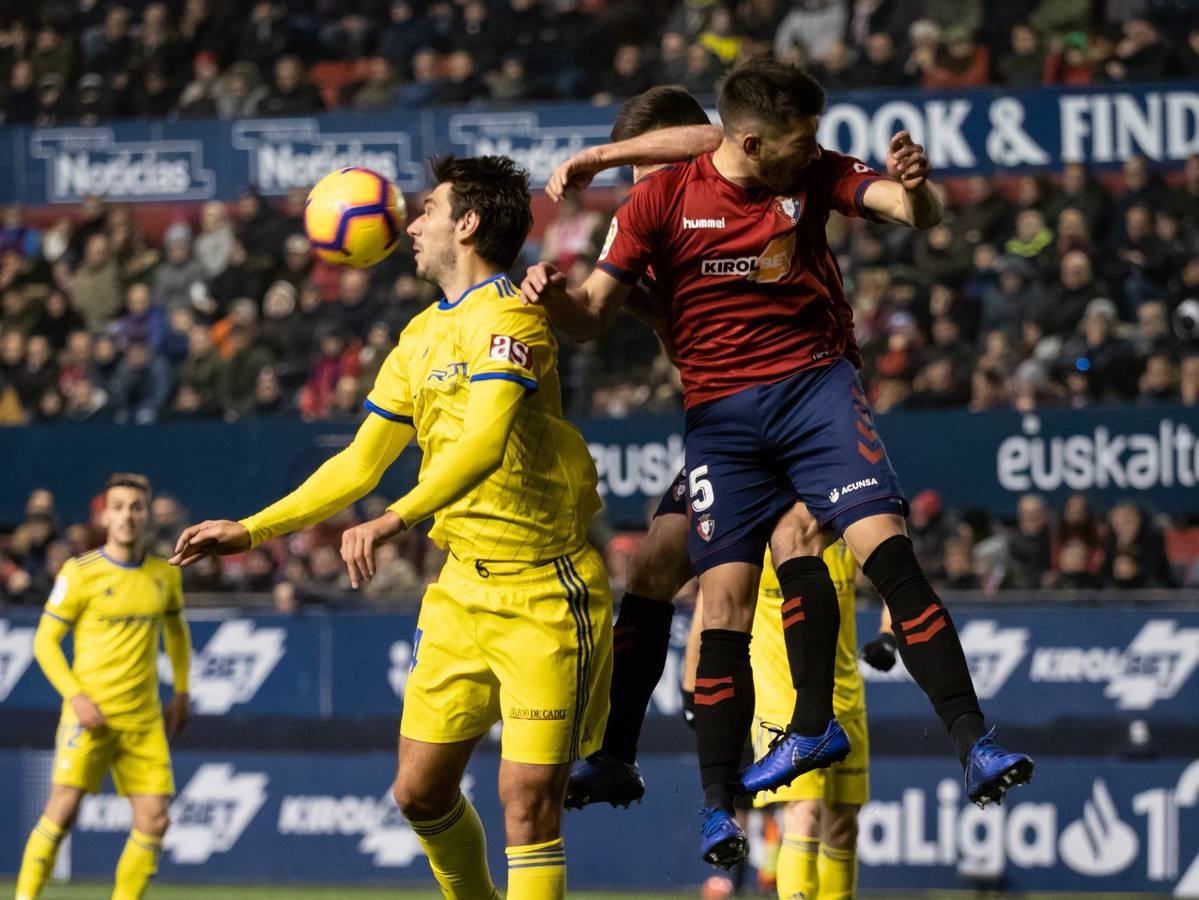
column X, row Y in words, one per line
column 817, row 859
column 518, row 626
column 116, row 601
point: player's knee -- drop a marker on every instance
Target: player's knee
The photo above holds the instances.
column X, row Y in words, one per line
column 839, row 827
column 63, row 806
column 802, row 817
column 421, row 802
column 154, row 823
column 797, row 533
column 532, row 816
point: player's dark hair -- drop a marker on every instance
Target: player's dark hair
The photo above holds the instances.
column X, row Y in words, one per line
column 766, row 91
column 129, row 480
column 659, row 107
column 498, row 191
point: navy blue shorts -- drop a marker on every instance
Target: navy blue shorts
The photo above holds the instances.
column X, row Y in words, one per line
column 752, row 454
column 675, row 499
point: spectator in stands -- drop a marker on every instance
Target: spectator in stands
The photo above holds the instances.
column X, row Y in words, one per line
column 407, row 32
column 213, row 246
column 1141, row 55
column 291, row 94
column 86, row 401
column 140, row 386
column 1073, row 572
column 1024, row 64
column 1159, row 381
column 1012, row 299
column 153, row 97
column 510, row 82
column 962, row 63
column 269, row 398
column 347, row 399
column 1081, row 191
column 672, row 57
column 1188, row 380
column 462, row 83
column 358, row 308
column 1109, row 362
column 238, row 373
column 37, row 374
column 701, row 73
column 378, row 90
column 200, row 98
column 167, row 519
column 96, row 284
column 1030, row 545
column 719, row 38
column 17, row 313
column 175, row 279
column 1068, row 61
column 1032, row 240
column 143, row 321
column 881, row 65
column 336, row 357
column 628, row 76
column 128, row 246
column 266, row 37
column 1068, row 299
column 200, row 370
column 1132, row 534
column 56, row 320
column 425, row 82
column 20, row 100
column 1073, row 233
column 808, row 31
column 240, row 93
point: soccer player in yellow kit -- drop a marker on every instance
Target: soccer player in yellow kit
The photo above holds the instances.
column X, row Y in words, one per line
column 817, row 858
column 518, row 626
column 116, row 601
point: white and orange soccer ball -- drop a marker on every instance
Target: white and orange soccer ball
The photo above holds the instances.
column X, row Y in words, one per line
column 354, row 217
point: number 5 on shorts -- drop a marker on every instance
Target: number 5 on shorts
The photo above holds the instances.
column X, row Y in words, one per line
column 702, row 495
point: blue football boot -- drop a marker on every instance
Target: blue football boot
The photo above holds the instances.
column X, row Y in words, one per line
column 991, row 771
column 602, row 778
column 790, row 755
column 724, row 842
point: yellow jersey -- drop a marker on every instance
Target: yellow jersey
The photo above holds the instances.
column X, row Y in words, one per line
column 769, row 652
column 116, row 612
column 537, row 504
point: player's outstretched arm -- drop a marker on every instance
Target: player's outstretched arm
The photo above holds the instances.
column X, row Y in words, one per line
column 909, row 197
column 340, row 481
column 583, row 312
column 47, row 650
column 176, row 638
column 666, row 145
column 490, row 414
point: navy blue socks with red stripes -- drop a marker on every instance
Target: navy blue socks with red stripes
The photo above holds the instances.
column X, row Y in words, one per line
column 811, row 620
column 928, row 642
column 640, row 643
column 724, row 711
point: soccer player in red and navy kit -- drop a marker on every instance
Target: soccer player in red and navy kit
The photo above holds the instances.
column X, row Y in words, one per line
column 761, row 330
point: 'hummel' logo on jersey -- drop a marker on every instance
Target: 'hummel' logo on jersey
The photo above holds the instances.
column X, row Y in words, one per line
column 702, row 223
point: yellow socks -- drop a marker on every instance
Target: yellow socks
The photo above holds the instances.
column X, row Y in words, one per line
column 797, row 876
column 38, row 861
column 537, row 871
column 837, row 872
column 137, row 865
column 457, row 851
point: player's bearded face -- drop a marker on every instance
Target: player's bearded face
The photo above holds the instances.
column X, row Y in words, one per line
column 786, row 152
column 433, row 236
column 126, row 515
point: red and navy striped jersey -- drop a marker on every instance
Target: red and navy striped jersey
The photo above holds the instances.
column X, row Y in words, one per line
column 755, row 291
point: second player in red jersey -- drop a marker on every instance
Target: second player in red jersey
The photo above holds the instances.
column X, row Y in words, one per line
column 756, row 292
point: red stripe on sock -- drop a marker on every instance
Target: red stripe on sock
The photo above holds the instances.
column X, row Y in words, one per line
column 713, row 699
column 713, row 682
column 927, row 634
column 920, row 619
column 791, row 620
column 793, row 603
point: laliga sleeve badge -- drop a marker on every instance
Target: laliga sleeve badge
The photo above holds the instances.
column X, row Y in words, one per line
column 613, row 230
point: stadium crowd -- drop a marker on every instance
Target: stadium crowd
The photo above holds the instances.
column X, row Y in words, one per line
column 92, row 60
column 1072, row 548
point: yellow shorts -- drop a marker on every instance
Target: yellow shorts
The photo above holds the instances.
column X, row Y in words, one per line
column 140, row 761
column 845, row 782
column 533, row 648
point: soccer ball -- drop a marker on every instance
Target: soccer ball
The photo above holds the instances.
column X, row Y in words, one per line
column 354, row 217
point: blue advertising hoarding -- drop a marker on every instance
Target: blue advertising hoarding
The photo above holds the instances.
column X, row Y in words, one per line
column 1082, row 825
column 965, row 132
column 1120, row 665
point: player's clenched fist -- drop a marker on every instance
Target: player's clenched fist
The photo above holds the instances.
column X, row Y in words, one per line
column 575, row 174
column 542, row 282
column 907, row 161
column 358, row 545
column 218, row 537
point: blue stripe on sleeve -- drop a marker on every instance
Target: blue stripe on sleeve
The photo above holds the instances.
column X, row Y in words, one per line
column 46, row 612
column 387, row 414
column 622, row 275
column 528, row 383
